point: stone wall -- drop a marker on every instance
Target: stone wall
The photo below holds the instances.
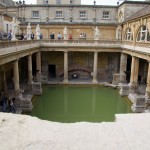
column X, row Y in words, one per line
column 82, row 64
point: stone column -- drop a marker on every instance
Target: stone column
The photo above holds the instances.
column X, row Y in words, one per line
column 95, row 68
column 30, row 68
column 38, row 61
column 148, row 83
column 38, row 66
column 123, row 66
column 4, row 77
column 65, row 67
column 16, row 76
column 134, row 73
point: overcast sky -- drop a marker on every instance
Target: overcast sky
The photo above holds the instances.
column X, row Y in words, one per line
column 88, row 2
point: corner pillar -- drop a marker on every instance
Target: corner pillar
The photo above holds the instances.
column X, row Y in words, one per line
column 134, row 73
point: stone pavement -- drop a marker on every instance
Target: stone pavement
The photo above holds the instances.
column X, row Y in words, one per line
column 128, row 132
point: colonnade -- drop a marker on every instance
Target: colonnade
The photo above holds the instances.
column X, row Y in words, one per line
column 123, row 66
column 16, row 71
column 134, row 73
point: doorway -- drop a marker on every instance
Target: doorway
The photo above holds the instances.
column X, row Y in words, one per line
column 52, row 71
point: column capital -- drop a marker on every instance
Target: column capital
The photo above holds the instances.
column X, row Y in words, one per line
column 16, row 60
column 95, row 51
column 30, row 54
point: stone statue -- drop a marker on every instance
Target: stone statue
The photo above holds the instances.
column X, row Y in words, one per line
column 29, row 32
column 38, row 32
column 118, row 33
column 15, row 28
column 97, row 33
column 65, row 32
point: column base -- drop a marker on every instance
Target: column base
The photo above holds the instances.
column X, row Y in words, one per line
column 94, row 81
column 139, row 103
column 35, row 88
column 133, row 88
column 147, row 97
column 124, row 90
column 137, row 109
column 65, row 81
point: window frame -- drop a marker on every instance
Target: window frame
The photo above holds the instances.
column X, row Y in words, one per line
column 58, row 15
column 34, row 15
column 142, row 32
column 106, row 16
column 129, row 35
column 83, row 16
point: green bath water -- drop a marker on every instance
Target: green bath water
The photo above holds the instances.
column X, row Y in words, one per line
column 79, row 103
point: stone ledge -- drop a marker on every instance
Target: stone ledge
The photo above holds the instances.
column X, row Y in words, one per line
column 129, row 132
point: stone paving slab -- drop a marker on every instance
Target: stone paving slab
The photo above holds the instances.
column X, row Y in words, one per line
column 129, row 132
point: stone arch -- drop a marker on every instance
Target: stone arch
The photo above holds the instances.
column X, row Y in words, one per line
column 75, row 68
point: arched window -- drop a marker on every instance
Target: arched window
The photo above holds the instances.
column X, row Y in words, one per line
column 143, row 34
column 129, row 35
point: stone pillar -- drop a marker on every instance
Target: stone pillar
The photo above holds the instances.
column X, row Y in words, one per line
column 134, row 71
column 30, row 68
column 123, row 67
column 95, row 68
column 38, row 66
column 65, row 67
column 148, row 84
column 4, row 77
column 134, row 74
column 38, row 61
column 16, row 76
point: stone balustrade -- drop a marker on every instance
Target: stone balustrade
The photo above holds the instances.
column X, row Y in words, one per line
column 138, row 44
column 7, row 44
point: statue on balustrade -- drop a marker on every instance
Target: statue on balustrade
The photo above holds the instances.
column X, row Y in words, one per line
column 65, row 32
column 38, row 32
column 96, row 33
column 14, row 28
column 29, row 32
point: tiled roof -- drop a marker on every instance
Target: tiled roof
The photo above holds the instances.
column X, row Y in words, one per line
column 144, row 11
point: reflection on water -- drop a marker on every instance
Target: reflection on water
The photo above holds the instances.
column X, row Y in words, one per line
column 76, row 103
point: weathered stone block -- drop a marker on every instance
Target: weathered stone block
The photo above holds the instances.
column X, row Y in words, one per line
column 139, row 103
column 124, row 90
column 116, row 79
column 35, row 88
